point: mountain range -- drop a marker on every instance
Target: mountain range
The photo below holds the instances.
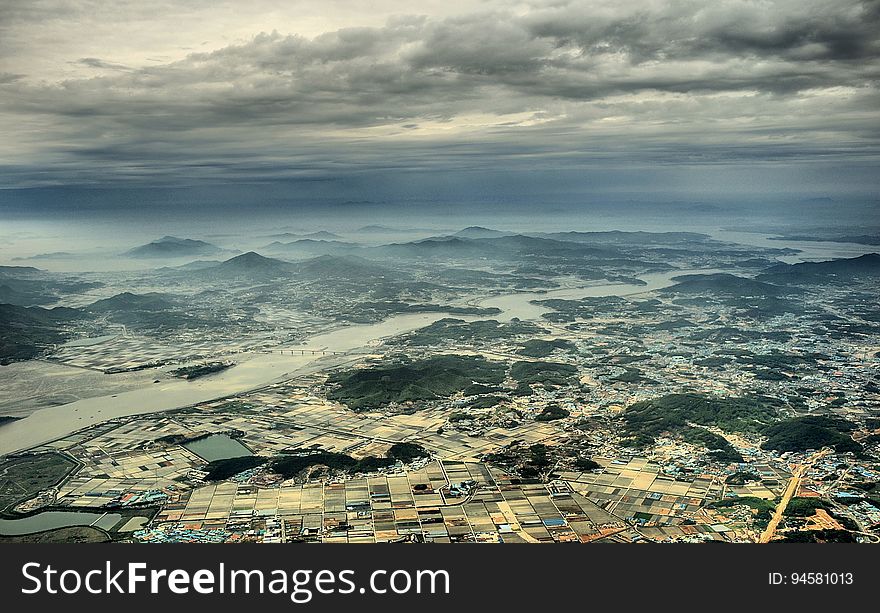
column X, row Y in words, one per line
column 841, row 270
column 174, row 247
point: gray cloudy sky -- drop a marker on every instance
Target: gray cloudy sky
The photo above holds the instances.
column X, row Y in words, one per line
column 728, row 94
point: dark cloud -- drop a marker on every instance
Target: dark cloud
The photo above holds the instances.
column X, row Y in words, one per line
column 8, row 77
column 562, row 84
column 694, row 30
column 94, row 62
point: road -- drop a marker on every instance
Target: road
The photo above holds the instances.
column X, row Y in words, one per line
column 790, row 491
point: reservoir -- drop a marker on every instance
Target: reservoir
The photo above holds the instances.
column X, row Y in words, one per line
column 49, row 520
column 217, row 447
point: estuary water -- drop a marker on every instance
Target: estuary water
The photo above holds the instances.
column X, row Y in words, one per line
column 520, row 305
column 252, row 371
column 808, row 250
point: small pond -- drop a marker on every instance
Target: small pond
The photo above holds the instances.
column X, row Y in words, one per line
column 49, row 520
column 217, row 447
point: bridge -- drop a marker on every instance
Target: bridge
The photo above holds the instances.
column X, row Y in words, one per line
column 305, row 352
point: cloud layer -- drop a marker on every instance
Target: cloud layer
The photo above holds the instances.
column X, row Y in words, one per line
column 469, row 87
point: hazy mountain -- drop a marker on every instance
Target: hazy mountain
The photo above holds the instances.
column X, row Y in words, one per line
column 867, row 265
column 311, row 247
column 496, row 248
column 152, row 312
column 321, row 235
column 21, row 272
column 439, row 247
column 194, row 265
column 173, row 247
column 28, row 286
column 26, row 332
column 12, row 314
column 532, row 245
column 55, row 255
column 127, row 301
column 377, row 229
column 627, row 238
column 341, row 267
column 250, row 265
column 13, row 293
column 480, row 232
column 723, row 283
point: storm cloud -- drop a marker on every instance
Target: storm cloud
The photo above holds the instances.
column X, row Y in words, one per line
column 474, row 86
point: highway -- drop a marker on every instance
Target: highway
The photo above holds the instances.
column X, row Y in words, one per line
column 790, row 491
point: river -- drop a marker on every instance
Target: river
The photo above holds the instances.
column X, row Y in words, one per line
column 520, row 305
column 251, row 371
column 808, row 250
